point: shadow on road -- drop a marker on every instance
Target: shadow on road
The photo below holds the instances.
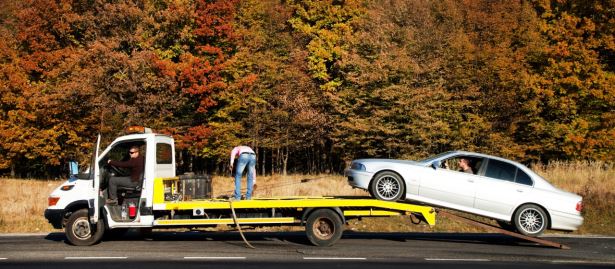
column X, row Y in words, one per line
column 234, row 238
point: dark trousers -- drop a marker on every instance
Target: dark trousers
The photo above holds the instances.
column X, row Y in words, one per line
column 114, row 182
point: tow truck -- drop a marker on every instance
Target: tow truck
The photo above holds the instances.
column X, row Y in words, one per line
column 165, row 200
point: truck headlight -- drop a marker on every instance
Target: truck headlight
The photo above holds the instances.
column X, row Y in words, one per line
column 51, row 201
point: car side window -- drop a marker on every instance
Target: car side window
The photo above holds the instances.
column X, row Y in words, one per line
column 523, row 178
column 501, row 170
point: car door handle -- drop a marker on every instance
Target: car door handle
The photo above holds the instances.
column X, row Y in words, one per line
column 519, row 190
column 470, row 180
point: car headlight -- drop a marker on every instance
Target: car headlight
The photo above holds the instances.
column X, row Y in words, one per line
column 357, row 166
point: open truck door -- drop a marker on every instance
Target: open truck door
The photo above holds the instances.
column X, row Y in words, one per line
column 94, row 201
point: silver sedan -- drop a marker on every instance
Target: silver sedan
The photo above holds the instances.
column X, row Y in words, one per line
column 480, row 184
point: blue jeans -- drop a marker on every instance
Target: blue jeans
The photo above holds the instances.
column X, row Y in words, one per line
column 245, row 161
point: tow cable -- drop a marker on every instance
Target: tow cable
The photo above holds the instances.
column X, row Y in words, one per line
column 230, row 201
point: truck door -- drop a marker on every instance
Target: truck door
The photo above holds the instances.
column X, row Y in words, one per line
column 93, row 202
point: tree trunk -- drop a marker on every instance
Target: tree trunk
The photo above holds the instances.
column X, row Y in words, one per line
column 263, row 158
column 285, row 160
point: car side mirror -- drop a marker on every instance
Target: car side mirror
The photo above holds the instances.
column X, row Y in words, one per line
column 435, row 165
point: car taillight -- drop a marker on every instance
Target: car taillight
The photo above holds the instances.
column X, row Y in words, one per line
column 51, row 201
column 579, row 206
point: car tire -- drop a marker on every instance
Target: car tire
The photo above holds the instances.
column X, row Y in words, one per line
column 324, row 227
column 531, row 220
column 80, row 232
column 387, row 186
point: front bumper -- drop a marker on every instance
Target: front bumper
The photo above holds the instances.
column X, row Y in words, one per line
column 359, row 179
column 55, row 217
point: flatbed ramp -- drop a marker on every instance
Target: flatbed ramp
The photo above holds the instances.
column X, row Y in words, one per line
column 486, row 226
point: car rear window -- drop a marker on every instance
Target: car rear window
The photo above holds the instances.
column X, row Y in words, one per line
column 501, row 170
column 523, row 178
column 506, row 171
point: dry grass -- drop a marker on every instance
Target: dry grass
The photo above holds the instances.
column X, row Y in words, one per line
column 24, row 201
column 23, row 204
column 595, row 181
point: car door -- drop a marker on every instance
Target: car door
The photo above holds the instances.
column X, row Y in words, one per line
column 448, row 187
column 502, row 188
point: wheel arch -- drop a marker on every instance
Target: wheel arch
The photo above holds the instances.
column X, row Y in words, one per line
column 72, row 207
column 307, row 212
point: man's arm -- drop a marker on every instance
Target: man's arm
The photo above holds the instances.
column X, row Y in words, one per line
column 234, row 153
column 127, row 164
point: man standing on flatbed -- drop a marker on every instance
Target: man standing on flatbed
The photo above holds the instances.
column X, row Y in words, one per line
column 246, row 158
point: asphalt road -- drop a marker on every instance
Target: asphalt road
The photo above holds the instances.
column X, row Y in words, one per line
column 283, row 250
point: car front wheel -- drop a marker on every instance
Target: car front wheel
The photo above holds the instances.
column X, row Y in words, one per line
column 531, row 220
column 387, row 186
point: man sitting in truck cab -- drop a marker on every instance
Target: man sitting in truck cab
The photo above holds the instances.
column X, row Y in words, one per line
column 135, row 163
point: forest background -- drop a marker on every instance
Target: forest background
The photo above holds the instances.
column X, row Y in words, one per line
column 311, row 84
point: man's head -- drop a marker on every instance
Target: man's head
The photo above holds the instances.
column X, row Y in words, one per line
column 134, row 152
column 464, row 163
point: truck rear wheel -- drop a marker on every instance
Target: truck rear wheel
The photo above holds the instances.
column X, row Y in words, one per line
column 80, row 232
column 324, row 227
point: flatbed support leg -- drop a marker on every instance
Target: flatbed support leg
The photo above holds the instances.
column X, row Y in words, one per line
column 500, row 230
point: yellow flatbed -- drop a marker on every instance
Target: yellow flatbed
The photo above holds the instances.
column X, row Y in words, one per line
column 322, row 216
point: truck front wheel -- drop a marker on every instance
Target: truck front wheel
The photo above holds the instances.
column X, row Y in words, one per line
column 80, row 232
column 324, row 227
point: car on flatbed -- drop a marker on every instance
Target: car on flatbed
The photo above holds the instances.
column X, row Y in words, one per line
column 504, row 190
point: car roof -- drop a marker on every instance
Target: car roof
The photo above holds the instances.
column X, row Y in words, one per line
column 476, row 154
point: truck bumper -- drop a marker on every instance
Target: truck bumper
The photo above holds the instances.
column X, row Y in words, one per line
column 55, row 217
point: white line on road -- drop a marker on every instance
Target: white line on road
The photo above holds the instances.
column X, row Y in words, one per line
column 95, row 258
column 3, row 258
column 215, row 258
column 457, row 260
column 582, row 262
column 332, row 258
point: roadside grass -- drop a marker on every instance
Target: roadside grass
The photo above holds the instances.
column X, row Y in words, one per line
column 24, row 201
column 595, row 181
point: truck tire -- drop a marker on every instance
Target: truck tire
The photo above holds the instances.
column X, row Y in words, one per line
column 324, row 227
column 80, row 232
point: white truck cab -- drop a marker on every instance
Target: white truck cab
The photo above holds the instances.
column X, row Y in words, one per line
column 80, row 201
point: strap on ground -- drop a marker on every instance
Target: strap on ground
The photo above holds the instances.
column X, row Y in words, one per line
column 500, row 230
column 230, row 201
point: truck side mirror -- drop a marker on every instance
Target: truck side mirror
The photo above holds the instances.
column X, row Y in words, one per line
column 73, row 168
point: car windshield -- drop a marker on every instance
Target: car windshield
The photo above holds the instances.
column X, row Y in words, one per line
column 432, row 158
